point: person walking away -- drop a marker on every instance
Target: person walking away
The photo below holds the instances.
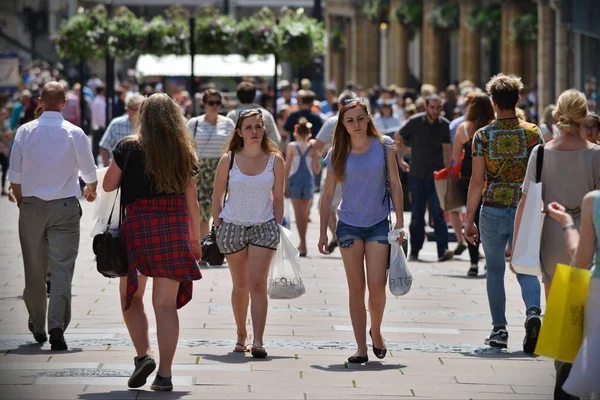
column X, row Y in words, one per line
column 590, row 128
column 357, row 161
column 155, row 170
column 72, row 110
column 6, row 136
column 252, row 173
column 120, row 127
column 584, row 247
column 22, row 112
column 571, row 169
column 427, row 135
column 98, row 119
column 210, row 133
column 46, row 190
column 547, row 123
column 480, row 113
column 302, row 162
column 500, row 153
column 246, row 94
column 323, row 141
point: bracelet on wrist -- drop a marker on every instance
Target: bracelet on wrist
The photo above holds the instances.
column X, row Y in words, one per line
column 567, row 227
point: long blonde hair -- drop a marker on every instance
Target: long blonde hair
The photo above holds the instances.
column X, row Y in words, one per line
column 236, row 142
column 342, row 145
column 169, row 154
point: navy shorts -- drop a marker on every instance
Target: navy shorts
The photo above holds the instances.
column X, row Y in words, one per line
column 346, row 234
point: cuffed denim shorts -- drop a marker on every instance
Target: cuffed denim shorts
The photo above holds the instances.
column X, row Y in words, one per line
column 346, row 234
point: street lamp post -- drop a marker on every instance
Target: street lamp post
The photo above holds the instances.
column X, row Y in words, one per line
column 192, row 56
column 318, row 62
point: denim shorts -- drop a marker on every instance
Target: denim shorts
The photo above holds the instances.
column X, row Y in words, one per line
column 376, row 233
column 302, row 192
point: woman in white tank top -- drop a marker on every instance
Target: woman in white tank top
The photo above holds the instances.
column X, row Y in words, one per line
column 252, row 173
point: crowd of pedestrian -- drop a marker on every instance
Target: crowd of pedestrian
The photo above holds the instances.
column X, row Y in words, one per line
column 380, row 148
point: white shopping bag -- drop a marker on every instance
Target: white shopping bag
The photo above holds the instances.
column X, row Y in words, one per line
column 400, row 278
column 287, row 213
column 526, row 254
column 285, row 281
column 103, row 205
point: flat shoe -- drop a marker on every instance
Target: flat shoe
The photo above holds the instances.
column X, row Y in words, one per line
column 258, row 352
column 358, row 359
column 241, row 348
column 379, row 353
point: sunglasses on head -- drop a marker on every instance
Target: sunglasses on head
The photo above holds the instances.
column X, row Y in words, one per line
column 214, row 102
column 350, row 100
column 251, row 110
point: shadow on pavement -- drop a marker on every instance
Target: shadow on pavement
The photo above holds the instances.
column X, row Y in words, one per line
column 465, row 276
column 238, row 358
column 492, row 353
column 37, row 349
column 133, row 394
column 369, row 366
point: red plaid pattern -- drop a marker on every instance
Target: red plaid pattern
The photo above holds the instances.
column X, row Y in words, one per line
column 155, row 232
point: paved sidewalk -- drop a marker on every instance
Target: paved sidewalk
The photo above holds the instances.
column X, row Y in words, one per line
column 434, row 335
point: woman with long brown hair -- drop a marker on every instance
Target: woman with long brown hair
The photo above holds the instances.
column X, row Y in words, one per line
column 357, row 161
column 247, row 222
column 161, row 230
column 479, row 114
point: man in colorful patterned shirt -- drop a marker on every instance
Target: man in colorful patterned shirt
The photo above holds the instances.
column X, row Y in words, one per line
column 500, row 154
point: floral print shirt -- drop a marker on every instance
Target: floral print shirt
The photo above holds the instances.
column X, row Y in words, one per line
column 505, row 145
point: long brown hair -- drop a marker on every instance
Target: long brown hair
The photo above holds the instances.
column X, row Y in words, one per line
column 480, row 111
column 169, row 154
column 236, row 142
column 342, row 145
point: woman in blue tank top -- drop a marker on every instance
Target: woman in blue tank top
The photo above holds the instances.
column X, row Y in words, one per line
column 357, row 161
column 585, row 244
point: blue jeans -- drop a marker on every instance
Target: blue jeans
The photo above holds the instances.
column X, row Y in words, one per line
column 423, row 191
column 496, row 226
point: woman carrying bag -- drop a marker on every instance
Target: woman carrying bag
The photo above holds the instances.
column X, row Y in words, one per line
column 357, row 160
column 160, row 230
column 247, row 227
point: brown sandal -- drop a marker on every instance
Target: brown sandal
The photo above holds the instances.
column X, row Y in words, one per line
column 259, row 352
column 241, row 348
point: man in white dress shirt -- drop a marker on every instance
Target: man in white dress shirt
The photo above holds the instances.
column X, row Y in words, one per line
column 98, row 119
column 46, row 157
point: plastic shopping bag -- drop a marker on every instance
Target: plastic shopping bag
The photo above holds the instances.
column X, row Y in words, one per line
column 287, row 213
column 285, row 281
column 103, row 205
column 400, row 278
column 526, row 254
column 562, row 330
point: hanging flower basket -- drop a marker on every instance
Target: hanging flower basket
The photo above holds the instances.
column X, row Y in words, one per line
column 256, row 36
column 215, row 34
column 486, row 20
column 337, row 38
column 82, row 36
column 523, row 29
column 126, row 34
column 410, row 14
column 445, row 17
column 300, row 39
column 377, row 11
column 163, row 37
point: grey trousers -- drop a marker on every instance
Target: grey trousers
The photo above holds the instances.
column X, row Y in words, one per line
column 49, row 235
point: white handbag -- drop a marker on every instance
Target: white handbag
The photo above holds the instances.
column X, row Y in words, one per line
column 526, row 254
column 104, row 203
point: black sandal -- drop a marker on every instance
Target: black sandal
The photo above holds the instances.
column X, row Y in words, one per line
column 379, row 353
column 259, row 352
column 358, row 359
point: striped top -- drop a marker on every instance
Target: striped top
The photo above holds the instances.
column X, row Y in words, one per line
column 210, row 140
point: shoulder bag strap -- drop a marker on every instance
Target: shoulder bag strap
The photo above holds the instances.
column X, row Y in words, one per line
column 539, row 164
column 118, row 189
column 387, row 184
column 195, row 128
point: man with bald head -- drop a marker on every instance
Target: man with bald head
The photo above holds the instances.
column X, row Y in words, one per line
column 47, row 155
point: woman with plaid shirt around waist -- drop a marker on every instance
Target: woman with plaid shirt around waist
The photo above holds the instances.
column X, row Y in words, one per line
column 247, row 225
column 161, row 230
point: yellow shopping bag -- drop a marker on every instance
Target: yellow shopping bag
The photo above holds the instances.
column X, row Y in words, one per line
column 562, row 330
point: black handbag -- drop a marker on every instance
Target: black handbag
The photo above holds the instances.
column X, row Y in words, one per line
column 210, row 251
column 111, row 255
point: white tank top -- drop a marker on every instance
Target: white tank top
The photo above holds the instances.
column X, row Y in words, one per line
column 249, row 200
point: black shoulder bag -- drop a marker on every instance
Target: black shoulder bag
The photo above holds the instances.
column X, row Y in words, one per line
column 111, row 256
column 210, row 251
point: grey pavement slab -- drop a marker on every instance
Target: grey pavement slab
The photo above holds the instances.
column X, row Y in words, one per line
column 434, row 336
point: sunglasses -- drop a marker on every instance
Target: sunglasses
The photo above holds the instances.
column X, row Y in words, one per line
column 214, row 102
column 345, row 102
column 251, row 110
